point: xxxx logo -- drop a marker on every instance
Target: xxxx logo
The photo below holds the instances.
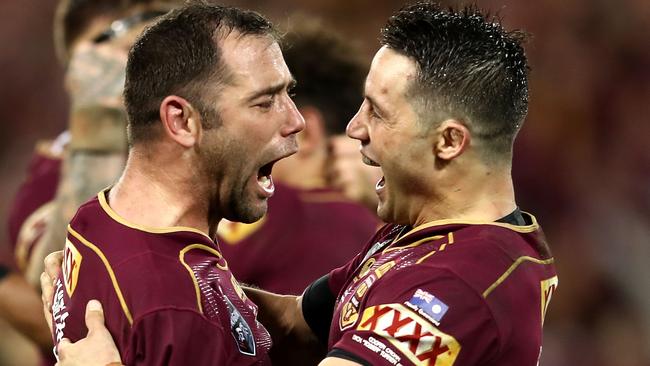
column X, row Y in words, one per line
column 416, row 338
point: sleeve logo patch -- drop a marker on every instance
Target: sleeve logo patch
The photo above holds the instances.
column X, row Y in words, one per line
column 548, row 288
column 428, row 306
column 415, row 337
column 71, row 264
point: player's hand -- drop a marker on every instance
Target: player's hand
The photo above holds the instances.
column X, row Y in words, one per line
column 95, row 76
column 52, row 265
column 347, row 172
column 98, row 348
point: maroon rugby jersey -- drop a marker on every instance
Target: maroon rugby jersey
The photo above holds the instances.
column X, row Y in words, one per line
column 32, row 206
column 305, row 234
column 445, row 293
column 168, row 295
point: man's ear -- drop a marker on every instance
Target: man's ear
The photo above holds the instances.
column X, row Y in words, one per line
column 313, row 136
column 180, row 120
column 452, row 139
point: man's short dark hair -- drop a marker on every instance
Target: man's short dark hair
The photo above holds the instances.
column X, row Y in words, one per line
column 329, row 73
column 73, row 17
column 180, row 55
column 469, row 68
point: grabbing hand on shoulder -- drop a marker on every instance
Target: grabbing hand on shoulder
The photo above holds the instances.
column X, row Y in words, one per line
column 98, row 348
column 52, row 265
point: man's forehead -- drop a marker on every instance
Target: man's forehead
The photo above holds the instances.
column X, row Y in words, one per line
column 254, row 58
column 390, row 72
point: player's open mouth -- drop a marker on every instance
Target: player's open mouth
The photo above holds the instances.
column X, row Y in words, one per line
column 264, row 178
column 381, row 183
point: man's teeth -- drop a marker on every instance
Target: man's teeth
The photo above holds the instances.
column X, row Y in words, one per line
column 380, row 183
column 368, row 161
column 266, row 182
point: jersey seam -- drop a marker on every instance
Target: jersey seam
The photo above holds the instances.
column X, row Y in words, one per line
column 472, row 290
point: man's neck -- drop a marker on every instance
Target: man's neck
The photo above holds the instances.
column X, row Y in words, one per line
column 483, row 195
column 158, row 195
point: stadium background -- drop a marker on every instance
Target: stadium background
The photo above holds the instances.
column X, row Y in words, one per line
column 582, row 162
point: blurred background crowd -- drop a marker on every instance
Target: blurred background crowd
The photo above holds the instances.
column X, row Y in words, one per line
column 580, row 163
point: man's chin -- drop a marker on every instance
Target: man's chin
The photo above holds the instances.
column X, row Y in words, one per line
column 250, row 213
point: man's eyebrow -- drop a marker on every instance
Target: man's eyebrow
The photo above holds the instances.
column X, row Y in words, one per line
column 273, row 89
column 375, row 105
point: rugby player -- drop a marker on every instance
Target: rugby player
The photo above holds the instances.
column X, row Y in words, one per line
column 460, row 276
column 92, row 38
column 209, row 113
column 310, row 227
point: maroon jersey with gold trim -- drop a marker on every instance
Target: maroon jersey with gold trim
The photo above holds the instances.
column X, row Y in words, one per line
column 168, row 295
column 32, row 206
column 305, row 234
column 445, row 293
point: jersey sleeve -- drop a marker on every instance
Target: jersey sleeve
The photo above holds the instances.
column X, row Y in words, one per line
column 424, row 316
column 175, row 337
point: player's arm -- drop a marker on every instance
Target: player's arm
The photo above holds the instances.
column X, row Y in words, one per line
column 335, row 361
column 299, row 325
column 18, row 304
column 96, row 153
column 294, row 342
column 85, row 173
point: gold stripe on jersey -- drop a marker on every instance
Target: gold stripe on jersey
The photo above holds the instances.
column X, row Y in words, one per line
column 181, row 257
column 514, row 266
column 390, row 248
column 109, row 269
column 172, row 229
column 450, row 241
column 520, row 229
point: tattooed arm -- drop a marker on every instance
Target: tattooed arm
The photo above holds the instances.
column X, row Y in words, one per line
column 95, row 156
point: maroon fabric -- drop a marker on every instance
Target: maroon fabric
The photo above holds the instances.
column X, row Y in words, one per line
column 304, row 235
column 174, row 321
column 38, row 189
column 25, row 221
column 446, row 294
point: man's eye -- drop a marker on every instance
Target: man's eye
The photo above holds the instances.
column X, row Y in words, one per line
column 266, row 104
column 372, row 113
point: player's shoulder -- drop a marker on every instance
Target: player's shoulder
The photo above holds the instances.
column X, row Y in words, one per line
column 475, row 254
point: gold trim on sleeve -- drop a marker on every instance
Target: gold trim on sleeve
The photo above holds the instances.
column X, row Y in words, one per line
column 109, row 269
column 181, row 257
column 514, row 266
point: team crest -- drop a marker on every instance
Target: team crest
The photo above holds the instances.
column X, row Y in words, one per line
column 240, row 330
column 350, row 309
column 70, row 268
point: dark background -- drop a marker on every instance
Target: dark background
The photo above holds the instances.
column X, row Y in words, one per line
column 582, row 164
